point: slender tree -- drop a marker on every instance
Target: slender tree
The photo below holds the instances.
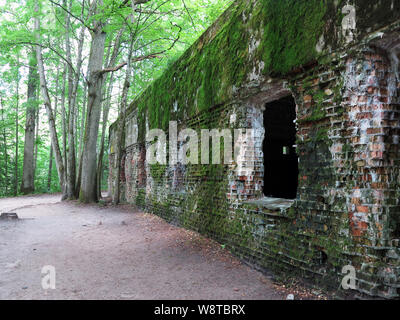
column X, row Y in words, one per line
column 28, row 175
column 16, row 129
column 47, row 104
column 5, row 150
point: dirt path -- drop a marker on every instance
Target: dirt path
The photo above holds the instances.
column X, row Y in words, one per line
column 115, row 253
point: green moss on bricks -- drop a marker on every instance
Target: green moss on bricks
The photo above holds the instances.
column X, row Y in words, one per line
column 291, row 213
column 157, row 172
column 205, row 74
column 208, row 210
column 197, row 91
column 322, row 135
column 291, row 32
column 141, row 198
column 318, row 114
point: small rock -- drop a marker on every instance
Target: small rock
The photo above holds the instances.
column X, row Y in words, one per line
column 290, row 297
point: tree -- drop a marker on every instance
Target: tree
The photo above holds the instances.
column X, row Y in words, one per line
column 88, row 190
column 130, row 44
column 47, row 103
column 28, row 175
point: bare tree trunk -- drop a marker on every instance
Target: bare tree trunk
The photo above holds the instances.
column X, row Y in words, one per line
column 121, row 123
column 83, row 117
column 103, row 134
column 80, row 152
column 88, row 190
column 105, row 116
column 28, row 175
column 47, row 103
column 36, row 133
column 79, row 178
column 70, row 153
column 73, row 83
column 49, row 174
column 64, row 122
column 5, row 147
column 16, row 133
column 110, row 61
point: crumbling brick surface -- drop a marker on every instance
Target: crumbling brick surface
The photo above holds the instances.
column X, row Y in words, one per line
column 348, row 125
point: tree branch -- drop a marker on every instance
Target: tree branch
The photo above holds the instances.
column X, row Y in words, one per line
column 112, row 69
column 187, row 10
column 141, row 58
column 45, row 47
column 135, row 2
column 71, row 14
column 158, row 54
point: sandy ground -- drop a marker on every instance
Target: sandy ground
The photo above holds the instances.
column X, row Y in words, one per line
column 115, row 253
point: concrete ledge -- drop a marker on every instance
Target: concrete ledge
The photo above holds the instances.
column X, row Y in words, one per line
column 275, row 204
column 275, row 207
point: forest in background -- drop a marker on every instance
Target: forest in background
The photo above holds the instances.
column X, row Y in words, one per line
column 68, row 69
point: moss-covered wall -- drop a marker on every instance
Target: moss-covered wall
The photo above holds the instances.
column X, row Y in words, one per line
column 336, row 59
column 248, row 40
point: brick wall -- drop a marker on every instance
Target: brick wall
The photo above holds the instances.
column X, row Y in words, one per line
column 347, row 208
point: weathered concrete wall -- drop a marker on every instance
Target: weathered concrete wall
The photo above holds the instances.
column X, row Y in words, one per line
column 339, row 60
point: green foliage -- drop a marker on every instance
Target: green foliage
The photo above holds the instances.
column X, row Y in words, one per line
column 158, row 24
column 220, row 60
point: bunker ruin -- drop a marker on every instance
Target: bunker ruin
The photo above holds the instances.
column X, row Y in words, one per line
column 319, row 82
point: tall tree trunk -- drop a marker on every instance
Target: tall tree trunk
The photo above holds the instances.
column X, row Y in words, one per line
column 28, row 175
column 88, row 190
column 105, row 116
column 121, row 123
column 80, row 152
column 36, row 133
column 83, row 117
column 64, row 123
column 5, row 148
column 47, row 104
column 110, row 62
column 103, row 135
column 16, row 133
column 50, row 172
column 73, row 83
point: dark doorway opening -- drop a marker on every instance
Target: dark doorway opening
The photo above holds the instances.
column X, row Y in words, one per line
column 281, row 167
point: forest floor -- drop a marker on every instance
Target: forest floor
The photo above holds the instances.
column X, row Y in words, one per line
column 106, row 252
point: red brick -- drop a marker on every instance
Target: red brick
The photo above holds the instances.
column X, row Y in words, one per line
column 362, row 209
